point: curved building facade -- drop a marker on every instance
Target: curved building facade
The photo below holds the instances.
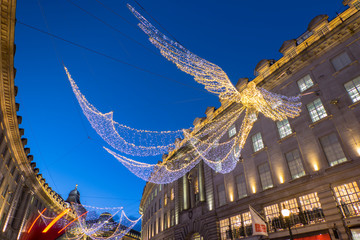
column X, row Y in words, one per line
column 23, row 190
column 308, row 165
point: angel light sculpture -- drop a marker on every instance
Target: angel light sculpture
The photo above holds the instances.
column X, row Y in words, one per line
column 207, row 142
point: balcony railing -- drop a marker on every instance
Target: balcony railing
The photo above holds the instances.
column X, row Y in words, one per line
column 299, row 219
column 350, row 209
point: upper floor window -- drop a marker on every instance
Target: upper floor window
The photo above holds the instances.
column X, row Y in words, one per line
column 353, row 89
column 341, row 61
column 316, row 110
column 172, row 195
column 305, row 83
column 221, row 194
column 265, row 176
column 332, row 149
column 172, row 217
column 232, row 131
column 284, row 128
column 241, row 186
column 257, row 141
column 156, row 190
column 165, row 221
column 295, row 164
column 165, row 199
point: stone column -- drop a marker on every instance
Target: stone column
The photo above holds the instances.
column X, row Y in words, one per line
column 14, row 204
column 20, row 212
column 25, row 218
column 201, row 182
column 186, row 199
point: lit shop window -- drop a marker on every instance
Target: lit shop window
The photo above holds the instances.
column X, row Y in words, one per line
column 284, row 128
column 353, row 89
column 232, row 131
column 247, row 223
column 224, row 228
column 332, row 149
column 265, row 176
column 316, row 110
column 310, row 202
column 272, row 212
column 305, row 83
column 241, row 186
column 341, row 61
column 347, row 196
column 295, row 164
column 257, row 141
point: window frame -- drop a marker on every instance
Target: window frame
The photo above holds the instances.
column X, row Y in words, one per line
column 305, row 82
column 338, row 57
column 256, row 142
column 318, row 109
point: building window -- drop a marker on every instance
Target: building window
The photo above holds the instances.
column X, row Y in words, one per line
column 221, row 194
column 156, row 192
column 310, row 202
column 241, row 186
column 305, row 83
column 292, row 205
column 272, row 212
column 5, row 191
column 224, row 228
column 165, row 199
column 284, row 128
column 160, row 203
column 257, row 141
column 265, row 176
column 348, row 196
column 316, row 110
column 246, row 218
column 172, row 194
column 332, row 149
column 165, row 221
column 172, row 217
column 353, row 89
column 232, row 131
column 295, row 164
column 236, row 226
column 341, row 61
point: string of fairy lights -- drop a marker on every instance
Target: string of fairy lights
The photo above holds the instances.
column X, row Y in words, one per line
column 96, row 223
column 210, row 141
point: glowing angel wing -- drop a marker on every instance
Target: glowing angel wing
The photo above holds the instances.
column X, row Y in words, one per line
column 204, row 72
column 279, row 107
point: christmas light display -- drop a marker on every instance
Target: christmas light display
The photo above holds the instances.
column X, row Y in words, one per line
column 125, row 139
column 209, row 140
column 99, row 223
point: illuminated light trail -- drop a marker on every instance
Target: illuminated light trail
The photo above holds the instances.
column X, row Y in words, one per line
column 73, row 221
column 56, row 219
column 36, row 220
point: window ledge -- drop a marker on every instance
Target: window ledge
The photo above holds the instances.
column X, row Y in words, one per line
column 308, row 89
column 286, row 137
column 352, row 106
column 259, row 151
column 329, row 168
column 321, row 120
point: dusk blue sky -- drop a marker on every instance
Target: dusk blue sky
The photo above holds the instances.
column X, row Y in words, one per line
column 235, row 35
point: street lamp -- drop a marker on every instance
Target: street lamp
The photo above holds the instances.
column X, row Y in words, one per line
column 286, row 214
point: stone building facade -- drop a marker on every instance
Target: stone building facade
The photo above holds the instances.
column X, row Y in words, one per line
column 23, row 190
column 309, row 164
